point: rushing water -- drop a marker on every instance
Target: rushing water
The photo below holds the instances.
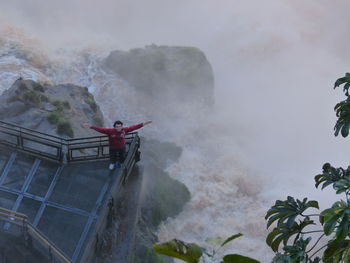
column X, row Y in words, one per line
column 270, row 129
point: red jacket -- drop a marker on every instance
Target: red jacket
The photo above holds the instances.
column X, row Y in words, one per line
column 117, row 139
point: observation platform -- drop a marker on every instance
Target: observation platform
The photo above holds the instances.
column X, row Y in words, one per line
column 58, row 193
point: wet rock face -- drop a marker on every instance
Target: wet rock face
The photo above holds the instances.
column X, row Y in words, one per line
column 167, row 73
column 57, row 110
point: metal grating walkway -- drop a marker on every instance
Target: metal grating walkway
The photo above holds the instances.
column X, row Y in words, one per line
column 62, row 201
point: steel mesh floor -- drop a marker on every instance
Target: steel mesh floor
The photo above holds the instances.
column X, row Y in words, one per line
column 61, row 201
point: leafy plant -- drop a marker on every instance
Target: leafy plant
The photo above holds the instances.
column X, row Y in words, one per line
column 192, row 253
column 31, row 96
column 61, row 105
column 335, row 221
column 64, row 127
column 342, row 109
column 91, row 103
column 188, row 252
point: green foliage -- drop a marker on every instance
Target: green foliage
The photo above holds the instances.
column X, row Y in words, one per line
column 337, row 252
column 54, row 117
column 64, row 127
column 331, row 175
column 284, row 232
column 31, row 96
column 335, row 220
column 165, row 202
column 146, row 254
column 230, row 239
column 344, row 80
column 342, row 109
column 343, row 185
column 192, row 253
column 294, row 254
column 287, row 211
column 38, row 87
column 61, row 105
column 235, row 258
column 91, row 103
column 188, row 252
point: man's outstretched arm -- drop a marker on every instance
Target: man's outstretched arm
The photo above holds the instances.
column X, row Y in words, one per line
column 137, row 126
column 98, row 129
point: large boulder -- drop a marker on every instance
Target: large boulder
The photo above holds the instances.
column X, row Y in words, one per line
column 167, row 73
column 57, row 110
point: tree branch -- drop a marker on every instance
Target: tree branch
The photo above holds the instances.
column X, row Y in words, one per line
column 318, row 240
column 310, row 215
column 318, row 250
column 315, row 231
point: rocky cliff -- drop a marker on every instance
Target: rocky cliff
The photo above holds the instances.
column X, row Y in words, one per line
column 57, row 110
column 168, row 73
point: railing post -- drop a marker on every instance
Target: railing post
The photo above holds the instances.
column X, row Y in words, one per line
column 20, row 139
column 50, row 254
column 111, row 212
column 64, row 152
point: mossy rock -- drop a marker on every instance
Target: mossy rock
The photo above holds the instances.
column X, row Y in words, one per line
column 32, row 97
column 54, row 117
column 61, row 105
column 91, row 103
column 169, row 197
column 65, row 127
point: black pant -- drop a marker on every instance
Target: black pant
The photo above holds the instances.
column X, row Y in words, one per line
column 117, row 155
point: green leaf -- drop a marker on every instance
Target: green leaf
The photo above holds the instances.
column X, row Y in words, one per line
column 188, row 252
column 337, row 252
column 295, row 253
column 343, row 228
column 281, row 258
column 284, row 232
column 336, row 219
column 235, row 258
column 286, row 212
column 331, row 175
column 315, row 260
column 231, row 238
column 341, row 186
column 342, row 110
column 214, row 241
column 342, row 80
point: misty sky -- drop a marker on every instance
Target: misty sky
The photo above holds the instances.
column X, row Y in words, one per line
column 275, row 63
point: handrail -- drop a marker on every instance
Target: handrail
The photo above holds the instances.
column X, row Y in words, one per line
column 24, row 141
column 26, row 129
column 19, row 219
column 53, row 147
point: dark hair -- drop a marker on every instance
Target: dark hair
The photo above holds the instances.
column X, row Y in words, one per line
column 117, row 122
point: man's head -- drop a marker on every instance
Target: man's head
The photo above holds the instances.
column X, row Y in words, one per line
column 118, row 125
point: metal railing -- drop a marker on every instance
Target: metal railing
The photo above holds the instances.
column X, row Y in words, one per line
column 18, row 225
column 56, row 148
column 61, row 150
column 32, row 141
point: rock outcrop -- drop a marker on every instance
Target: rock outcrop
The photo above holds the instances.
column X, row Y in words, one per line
column 57, row 110
column 167, row 73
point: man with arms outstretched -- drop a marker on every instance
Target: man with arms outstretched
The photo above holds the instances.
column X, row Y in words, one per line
column 116, row 137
